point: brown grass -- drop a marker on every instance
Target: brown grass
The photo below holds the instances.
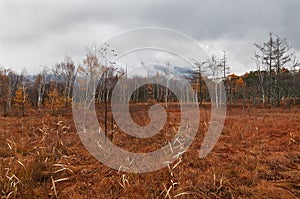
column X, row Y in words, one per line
column 257, row 156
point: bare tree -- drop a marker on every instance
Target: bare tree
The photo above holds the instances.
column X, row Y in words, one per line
column 261, row 77
column 65, row 74
column 107, row 54
column 216, row 69
column 40, row 84
column 274, row 55
column 89, row 74
column 197, row 78
column 295, row 73
column 4, row 87
column 14, row 81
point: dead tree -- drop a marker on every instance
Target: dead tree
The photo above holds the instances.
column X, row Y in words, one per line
column 216, row 69
column 274, row 55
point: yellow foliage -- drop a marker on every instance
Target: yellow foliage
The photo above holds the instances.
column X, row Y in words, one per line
column 55, row 101
column 240, row 81
column 21, row 97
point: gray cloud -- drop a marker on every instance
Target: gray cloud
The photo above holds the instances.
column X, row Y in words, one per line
column 38, row 32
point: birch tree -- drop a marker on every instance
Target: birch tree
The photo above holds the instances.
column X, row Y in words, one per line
column 40, row 84
column 65, row 74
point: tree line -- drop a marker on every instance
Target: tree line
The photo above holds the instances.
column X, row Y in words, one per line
column 276, row 81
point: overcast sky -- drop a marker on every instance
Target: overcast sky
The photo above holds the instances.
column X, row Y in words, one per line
column 36, row 32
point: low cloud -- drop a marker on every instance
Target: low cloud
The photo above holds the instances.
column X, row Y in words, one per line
column 35, row 33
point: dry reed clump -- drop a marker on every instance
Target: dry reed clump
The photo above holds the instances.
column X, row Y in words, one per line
column 32, row 159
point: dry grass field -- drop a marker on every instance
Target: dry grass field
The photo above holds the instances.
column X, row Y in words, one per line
column 257, row 156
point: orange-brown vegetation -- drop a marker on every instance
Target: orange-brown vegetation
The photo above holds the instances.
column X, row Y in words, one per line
column 257, row 156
